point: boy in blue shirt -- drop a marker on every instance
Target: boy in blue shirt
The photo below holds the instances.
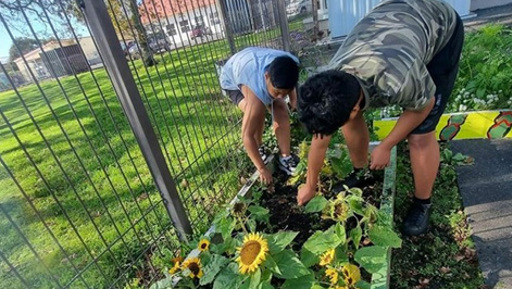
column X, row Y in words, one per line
column 257, row 80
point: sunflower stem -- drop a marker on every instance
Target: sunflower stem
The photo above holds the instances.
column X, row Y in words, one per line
column 242, row 224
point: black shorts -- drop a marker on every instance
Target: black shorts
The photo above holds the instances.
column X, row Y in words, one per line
column 443, row 69
column 235, row 95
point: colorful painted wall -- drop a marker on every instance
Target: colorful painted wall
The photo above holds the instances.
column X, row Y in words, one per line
column 470, row 125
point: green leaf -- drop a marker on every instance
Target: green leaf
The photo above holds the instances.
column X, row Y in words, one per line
column 217, row 263
column 255, row 279
column 303, row 282
column 317, row 204
column 289, row 265
column 363, row 285
column 308, row 259
column 323, row 241
column 372, row 258
column 356, row 234
column 229, row 245
column 277, row 242
column 458, row 157
column 384, row 236
column 228, row 278
column 259, row 213
column 480, row 93
column 266, row 285
column 271, row 265
column 251, row 223
column 356, row 204
column 163, row 284
column 225, row 227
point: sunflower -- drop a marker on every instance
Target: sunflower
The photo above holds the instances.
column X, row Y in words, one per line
column 351, row 274
column 341, row 211
column 194, row 266
column 252, row 253
column 327, row 257
column 175, row 268
column 332, row 273
column 204, row 244
column 239, row 209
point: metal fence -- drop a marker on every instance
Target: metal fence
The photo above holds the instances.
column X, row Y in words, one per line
column 104, row 167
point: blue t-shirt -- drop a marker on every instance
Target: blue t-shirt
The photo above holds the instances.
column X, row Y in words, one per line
column 247, row 67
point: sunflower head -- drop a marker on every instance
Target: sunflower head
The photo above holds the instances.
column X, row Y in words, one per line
column 239, row 209
column 351, row 274
column 178, row 259
column 194, row 266
column 341, row 211
column 204, row 244
column 252, row 253
column 332, row 273
column 327, row 257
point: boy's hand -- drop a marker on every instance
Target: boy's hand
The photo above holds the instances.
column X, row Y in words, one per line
column 305, row 194
column 380, row 158
column 265, row 176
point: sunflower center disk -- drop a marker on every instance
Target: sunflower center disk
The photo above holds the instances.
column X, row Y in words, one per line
column 194, row 268
column 250, row 252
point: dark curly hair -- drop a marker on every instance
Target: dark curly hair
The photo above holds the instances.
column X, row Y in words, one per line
column 326, row 100
column 284, row 72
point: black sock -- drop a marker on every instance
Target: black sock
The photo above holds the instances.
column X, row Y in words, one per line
column 420, row 201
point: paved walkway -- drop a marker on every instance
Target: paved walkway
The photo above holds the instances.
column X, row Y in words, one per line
column 486, row 189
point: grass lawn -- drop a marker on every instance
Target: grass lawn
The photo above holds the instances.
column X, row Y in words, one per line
column 83, row 172
column 444, row 257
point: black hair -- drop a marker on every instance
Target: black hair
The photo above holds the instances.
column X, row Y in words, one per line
column 326, row 100
column 283, row 72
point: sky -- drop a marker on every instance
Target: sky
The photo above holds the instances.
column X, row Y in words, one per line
column 19, row 28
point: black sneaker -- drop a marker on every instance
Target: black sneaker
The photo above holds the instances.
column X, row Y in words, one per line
column 288, row 164
column 416, row 221
column 263, row 153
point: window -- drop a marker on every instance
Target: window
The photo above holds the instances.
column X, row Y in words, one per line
column 214, row 18
column 199, row 20
column 184, row 26
column 171, row 29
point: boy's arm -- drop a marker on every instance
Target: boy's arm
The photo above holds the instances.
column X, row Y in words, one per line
column 316, row 158
column 293, row 99
column 407, row 122
column 254, row 117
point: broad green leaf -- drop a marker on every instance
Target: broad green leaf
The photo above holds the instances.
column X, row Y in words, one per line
column 225, row 227
column 229, row 245
column 259, row 213
column 228, row 278
column 303, row 282
column 266, row 285
column 255, row 279
column 317, row 204
column 458, row 157
column 356, row 234
column 211, row 270
column 289, row 265
column 372, row 258
column 277, row 242
column 320, row 241
column 384, row 236
column 363, row 285
column 271, row 264
column 251, row 223
column 340, row 231
column 308, row 259
column 163, row 284
column 266, row 276
column 356, row 204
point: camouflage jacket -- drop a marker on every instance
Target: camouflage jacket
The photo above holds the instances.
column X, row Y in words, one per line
column 388, row 51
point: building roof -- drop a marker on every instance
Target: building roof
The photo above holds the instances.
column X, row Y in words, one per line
column 151, row 10
column 48, row 46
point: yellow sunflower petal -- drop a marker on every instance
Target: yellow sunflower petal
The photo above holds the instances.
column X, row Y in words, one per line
column 194, row 267
column 351, row 274
column 204, row 244
column 252, row 253
column 332, row 273
column 327, row 257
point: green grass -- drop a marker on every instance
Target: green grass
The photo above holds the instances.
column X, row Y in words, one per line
column 443, row 258
column 103, row 184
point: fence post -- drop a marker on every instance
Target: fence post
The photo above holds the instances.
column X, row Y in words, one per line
column 283, row 23
column 227, row 26
column 115, row 62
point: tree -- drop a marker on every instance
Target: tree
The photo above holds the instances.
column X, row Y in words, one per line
column 24, row 44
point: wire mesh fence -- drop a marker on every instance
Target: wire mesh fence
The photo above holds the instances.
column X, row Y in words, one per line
column 78, row 201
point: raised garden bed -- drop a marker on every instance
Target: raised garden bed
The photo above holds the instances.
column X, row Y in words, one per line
column 264, row 240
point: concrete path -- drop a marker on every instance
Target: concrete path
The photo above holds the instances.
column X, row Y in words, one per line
column 486, row 189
